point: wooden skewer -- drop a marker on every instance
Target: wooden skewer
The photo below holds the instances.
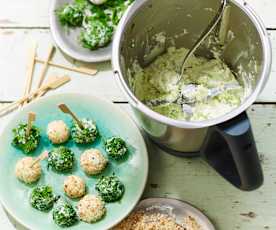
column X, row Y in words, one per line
column 41, row 157
column 51, row 78
column 45, row 65
column 52, row 85
column 83, row 70
column 31, row 119
column 30, row 68
column 64, row 108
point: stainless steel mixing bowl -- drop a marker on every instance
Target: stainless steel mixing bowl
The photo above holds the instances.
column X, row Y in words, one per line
column 246, row 50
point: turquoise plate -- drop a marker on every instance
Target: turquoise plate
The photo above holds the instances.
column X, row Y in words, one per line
column 110, row 121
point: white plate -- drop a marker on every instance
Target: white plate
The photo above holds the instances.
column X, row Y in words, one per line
column 67, row 41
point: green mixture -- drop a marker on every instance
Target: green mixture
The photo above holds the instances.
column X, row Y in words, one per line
column 87, row 135
column 97, row 22
column 61, row 159
column 110, row 188
column 116, row 147
column 208, row 88
column 42, row 198
column 64, row 215
column 24, row 142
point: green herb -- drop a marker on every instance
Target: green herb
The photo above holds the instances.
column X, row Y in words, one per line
column 110, row 188
column 24, row 142
column 70, row 15
column 61, row 159
column 116, row 147
column 64, row 215
column 87, row 135
column 96, row 34
column 42, row 198
column 98, row 22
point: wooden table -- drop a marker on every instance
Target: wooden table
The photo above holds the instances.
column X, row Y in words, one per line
column 187, row 179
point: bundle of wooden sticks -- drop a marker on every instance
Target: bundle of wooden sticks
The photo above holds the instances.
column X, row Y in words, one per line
column 52, row 82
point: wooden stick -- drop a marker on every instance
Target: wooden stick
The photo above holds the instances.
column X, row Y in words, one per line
column 51, row 78
column 83, row 70
column 64, row 108
column 45, row 65
column 41, row 157
column 52, row 85
column 31, row 119
column 30, row 68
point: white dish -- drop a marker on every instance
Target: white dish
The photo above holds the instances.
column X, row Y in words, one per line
column 67, row 41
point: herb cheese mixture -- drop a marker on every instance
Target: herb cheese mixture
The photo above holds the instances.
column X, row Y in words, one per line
column 208, row 88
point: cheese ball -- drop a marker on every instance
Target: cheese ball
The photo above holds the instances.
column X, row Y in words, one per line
column 64, row 215
column 58, row 132
column 91, row 208
column 61, row 159
column 74, row 186
column 85, row 135
column 26, row 143
column 116, row 148
column 24, row 172
column 93, row 162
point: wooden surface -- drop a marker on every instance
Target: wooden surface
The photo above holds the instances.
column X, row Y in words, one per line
column 187, row 179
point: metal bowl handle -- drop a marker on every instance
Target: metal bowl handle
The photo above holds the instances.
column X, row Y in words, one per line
column 231, row 150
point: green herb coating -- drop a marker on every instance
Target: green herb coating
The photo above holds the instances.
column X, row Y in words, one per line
column 61, row 159
column 110, row 188
column 26, row 143
column 64, row 215
column 70, row 15
column 42, row 198
column 116, row 147
column 87, row 135
column 96, row 34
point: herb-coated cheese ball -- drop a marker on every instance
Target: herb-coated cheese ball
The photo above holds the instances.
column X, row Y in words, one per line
column 61, row 159
column 116, row 148
column 93, row 162
column 74, row 186
column 58, row 132
column 42, row 198
column 64, row 215
column 110, row 188
column 26, row 143
column 26, row 171
column 87, row 135
column 91, row 208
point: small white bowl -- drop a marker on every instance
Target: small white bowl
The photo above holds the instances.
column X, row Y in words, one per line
column 67, row 41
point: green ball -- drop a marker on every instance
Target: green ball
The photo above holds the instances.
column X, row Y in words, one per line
column 61, row 159
column 87, row 135
column 42, row 198
column 110, row 188
column 26, row 143
column 116, row 147
column 64, row 215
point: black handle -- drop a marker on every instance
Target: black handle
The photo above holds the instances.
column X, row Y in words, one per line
column 231, row 150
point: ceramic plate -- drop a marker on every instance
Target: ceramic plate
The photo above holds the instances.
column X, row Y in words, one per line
column 177, row 209
column 67, row 40
column 110, row 121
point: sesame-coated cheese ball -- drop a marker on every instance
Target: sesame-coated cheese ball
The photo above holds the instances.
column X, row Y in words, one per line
column 93, row 162
column 74, row 186
column 58, row 132
column 91, row 208
column 26, row 172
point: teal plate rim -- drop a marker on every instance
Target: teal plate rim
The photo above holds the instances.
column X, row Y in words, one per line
column 7, row 207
